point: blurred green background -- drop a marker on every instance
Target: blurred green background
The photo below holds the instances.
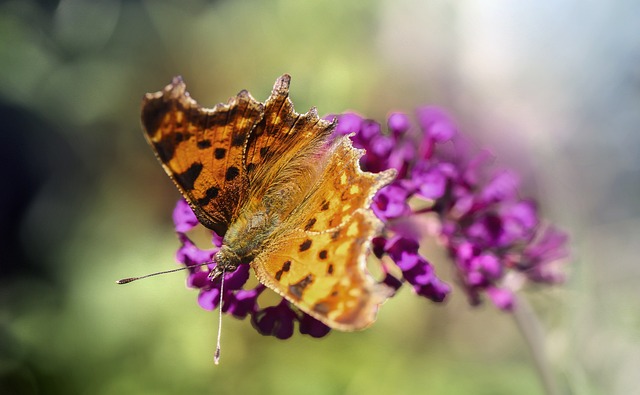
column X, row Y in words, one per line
column 552, row 86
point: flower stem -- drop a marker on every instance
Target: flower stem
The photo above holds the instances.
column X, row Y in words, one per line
column 532, row 332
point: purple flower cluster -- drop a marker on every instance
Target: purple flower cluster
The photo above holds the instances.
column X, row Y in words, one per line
column 491, row 234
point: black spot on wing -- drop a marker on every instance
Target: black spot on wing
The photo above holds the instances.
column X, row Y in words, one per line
column 153, row 113
column 232, row 173
column 166, row 147
column 209, row 195
column 322, row 307
column 219, row 153
column 325, row 205
column 297, row 289
column 285, row 268
column 310, row 224
column 322, row 254
column 237, row 139
column 305, row 245
column 204, row 144
column 188, row 178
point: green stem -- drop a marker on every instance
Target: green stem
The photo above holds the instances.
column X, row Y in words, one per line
column 532, row 332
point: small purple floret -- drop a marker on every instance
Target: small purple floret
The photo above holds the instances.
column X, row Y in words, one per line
column 183, row 217
column 275, row 320
column 312, row 327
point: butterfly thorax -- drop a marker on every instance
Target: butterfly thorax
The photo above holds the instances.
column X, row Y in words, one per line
column 245, row 238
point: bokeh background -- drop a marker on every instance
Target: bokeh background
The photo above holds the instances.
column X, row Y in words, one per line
column 552, row 86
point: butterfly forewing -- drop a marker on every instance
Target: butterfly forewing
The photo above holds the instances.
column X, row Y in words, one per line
column 202, row 149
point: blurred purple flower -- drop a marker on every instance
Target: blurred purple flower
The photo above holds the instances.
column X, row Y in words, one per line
column 488, row 230
column 391, row 202
column 312, row 327
column 275, row 320
column 183, row 217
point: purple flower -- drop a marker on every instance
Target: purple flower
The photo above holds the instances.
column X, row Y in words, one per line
column 349, row 123
column 183, row 217
column 436, row 124
column 244, row 302
column 208, row 298
column 415, row 269
column 398, row 123
column 501, row 298
column 391, row 202
column 430, row 182
column 275, row 320
column 312, row 327
column 541, row 260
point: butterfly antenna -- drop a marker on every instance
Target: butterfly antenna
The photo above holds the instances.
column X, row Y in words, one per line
column 216, row 356
column 132, row 279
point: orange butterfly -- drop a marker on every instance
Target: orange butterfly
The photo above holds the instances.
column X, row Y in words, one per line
column 288, row 197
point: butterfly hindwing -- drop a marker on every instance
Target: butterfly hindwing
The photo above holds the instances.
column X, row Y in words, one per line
column 324, row 273
column 317, row 258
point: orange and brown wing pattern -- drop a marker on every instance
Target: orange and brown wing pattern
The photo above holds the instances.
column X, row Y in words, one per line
column 343, row 188
column 282, row 136
column 317, row 258
column 202, row 150
column 324, row 273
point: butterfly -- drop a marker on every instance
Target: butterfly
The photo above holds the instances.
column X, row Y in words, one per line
column 286, row 194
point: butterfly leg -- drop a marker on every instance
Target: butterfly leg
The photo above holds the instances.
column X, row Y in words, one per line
column 219, row 270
